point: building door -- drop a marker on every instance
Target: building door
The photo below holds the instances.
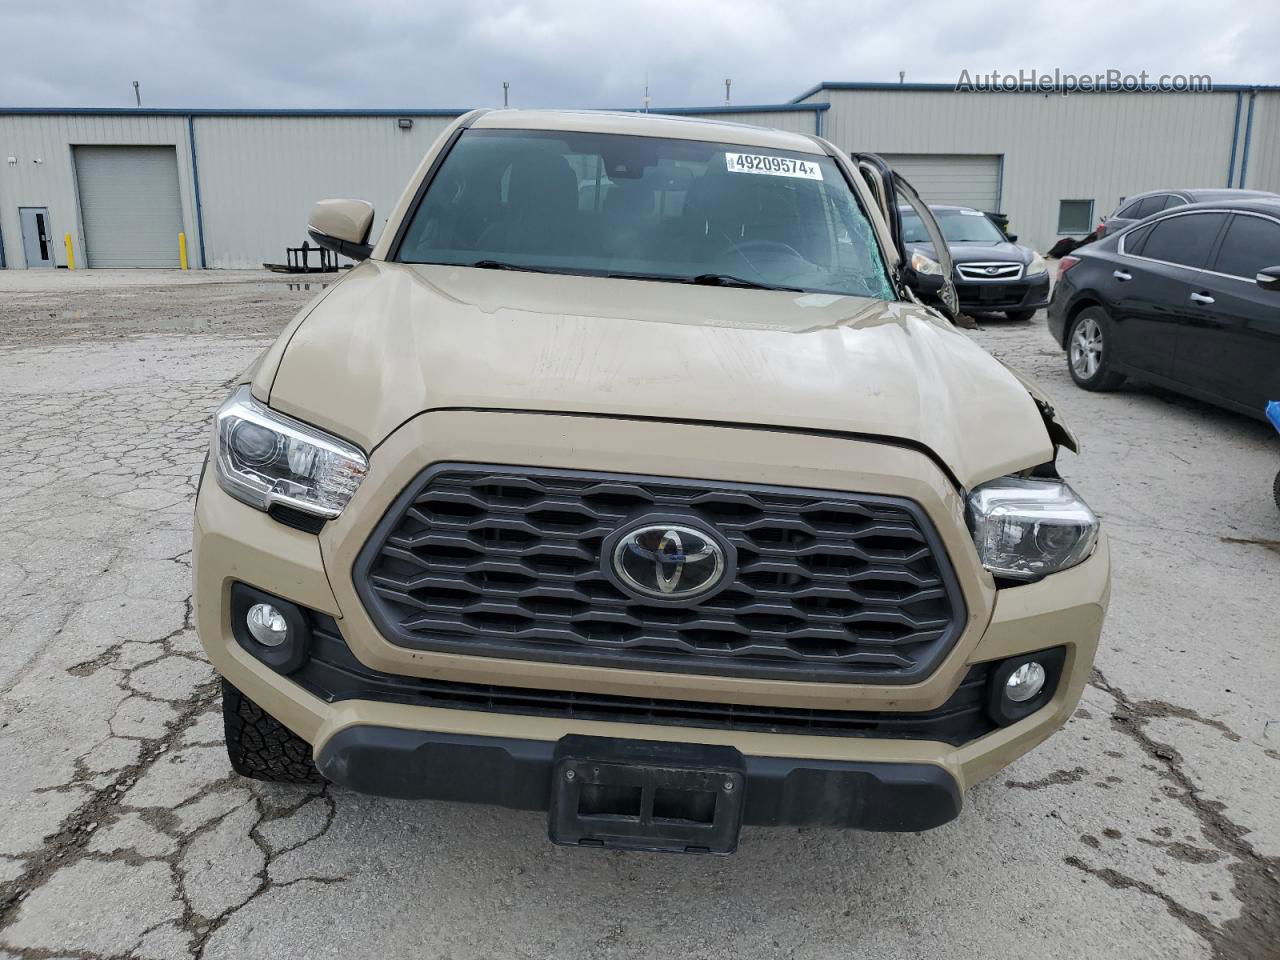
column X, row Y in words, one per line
column 37, row 236
column 966, row 180
column 129, row 205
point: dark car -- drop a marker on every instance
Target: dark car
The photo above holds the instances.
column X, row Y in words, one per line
column 1143, row 205
column 1188, row 300
column 993, row 273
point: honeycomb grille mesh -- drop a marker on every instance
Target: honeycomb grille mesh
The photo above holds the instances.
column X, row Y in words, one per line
column 506, row 562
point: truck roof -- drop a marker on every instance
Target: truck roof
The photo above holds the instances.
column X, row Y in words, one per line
column 647, row 125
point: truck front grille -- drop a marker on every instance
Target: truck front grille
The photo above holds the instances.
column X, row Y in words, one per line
column 506, row 562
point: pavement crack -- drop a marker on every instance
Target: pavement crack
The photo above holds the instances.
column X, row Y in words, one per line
column 1272, row 545
column 1251, row 935
column 1197, row 922
column 203, row 928
column 68, row 844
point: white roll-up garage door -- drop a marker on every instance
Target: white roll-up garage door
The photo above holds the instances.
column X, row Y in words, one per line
column 129, row 205
column 967, row 180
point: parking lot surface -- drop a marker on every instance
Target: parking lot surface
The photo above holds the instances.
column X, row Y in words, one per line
column 1147, row 828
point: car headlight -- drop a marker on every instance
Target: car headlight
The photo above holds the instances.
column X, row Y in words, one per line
column 1037, row 266
column 262, row 458
column 925, row 266
column 1026, row 529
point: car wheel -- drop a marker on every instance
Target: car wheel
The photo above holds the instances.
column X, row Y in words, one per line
column 1088, row 351
column 1276, row 490
column 261, row 747
column 1020, row 316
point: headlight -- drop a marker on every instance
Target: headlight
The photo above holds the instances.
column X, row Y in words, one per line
column 262, row 458
column 925, row 266
column 1037, row 266
column 1025, row 529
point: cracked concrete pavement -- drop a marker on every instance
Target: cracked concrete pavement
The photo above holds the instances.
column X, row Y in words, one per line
column 1147, row 828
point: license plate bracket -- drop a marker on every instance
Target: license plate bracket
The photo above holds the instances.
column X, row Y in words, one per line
column 645, row 795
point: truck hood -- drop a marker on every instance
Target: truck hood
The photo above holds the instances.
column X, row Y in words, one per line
column 390, row 341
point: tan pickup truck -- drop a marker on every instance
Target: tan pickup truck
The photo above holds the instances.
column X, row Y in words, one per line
column 629, row 477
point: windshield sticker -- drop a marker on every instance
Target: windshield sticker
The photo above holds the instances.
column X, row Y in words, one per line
column 773, row 166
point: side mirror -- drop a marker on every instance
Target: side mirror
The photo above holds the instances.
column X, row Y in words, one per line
column 1011, row 237
column 343, row 227
column 1269, row 279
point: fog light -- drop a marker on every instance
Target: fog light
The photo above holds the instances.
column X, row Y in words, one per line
column 269, row 627
column 1024, row 683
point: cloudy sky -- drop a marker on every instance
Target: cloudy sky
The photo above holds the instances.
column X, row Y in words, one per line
column 402, row 53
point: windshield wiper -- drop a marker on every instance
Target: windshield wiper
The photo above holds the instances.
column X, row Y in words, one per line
column 503, row 265
column 702, row 279
column 728, row 280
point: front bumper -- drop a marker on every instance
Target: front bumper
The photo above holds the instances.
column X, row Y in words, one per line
column 517, row 773
column 1024, row 294
column 234, row 543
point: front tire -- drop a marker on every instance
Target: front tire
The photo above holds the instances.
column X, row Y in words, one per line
column 261, row 747
column 1089, row 351
column 1019, row 316
column 1276, row 491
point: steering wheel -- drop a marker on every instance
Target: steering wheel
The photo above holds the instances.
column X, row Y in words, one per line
column 761, row 245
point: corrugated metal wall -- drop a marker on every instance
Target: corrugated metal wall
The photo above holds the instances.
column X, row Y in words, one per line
column 259, row 176
column 1263, row 172
column 42, row 173
column 1097, row 147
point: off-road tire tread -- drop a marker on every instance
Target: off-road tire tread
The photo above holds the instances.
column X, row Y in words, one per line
column 1276, row 491
column 261, row 747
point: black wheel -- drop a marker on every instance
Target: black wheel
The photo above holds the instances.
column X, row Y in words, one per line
column 260, row 746
column 1088, row 351
column 1020, row 316
column 1276, row 491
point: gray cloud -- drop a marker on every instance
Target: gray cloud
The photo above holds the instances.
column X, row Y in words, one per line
column 396, row 53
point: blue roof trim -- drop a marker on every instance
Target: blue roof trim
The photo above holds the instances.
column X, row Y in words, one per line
column 414, row 112
column 227, row 112
column 951, row 88
column 816, row 88
column 745, row 108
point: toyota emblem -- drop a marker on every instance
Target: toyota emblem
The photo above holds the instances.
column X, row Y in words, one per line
column 668, row 561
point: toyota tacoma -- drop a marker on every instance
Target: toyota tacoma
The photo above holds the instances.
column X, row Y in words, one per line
column 627, row 478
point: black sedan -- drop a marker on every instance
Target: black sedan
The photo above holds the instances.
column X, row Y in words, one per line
column 1188, row 299
column 993, row 273
column 1143, row 205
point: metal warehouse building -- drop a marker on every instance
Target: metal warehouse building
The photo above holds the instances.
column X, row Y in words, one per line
column 239, row 183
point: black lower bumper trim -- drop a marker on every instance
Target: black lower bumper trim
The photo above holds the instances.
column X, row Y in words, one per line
column 997, row 296
column 509, row 772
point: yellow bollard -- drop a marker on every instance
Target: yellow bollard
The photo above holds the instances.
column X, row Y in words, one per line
column 71, row 252
column 182, row 250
